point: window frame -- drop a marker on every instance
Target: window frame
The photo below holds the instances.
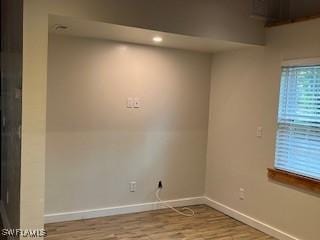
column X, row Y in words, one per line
column 286, row 176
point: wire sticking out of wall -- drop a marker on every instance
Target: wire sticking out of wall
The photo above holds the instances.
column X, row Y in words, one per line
column 190, row 214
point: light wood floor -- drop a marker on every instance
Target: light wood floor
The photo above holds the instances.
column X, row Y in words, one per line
column 157, row 225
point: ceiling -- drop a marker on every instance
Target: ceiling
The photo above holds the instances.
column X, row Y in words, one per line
column 100, row 30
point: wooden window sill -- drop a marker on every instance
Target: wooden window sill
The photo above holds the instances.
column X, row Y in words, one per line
column 296, row 180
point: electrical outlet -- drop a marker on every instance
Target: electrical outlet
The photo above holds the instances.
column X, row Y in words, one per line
column 132, row 186
column 242, row 194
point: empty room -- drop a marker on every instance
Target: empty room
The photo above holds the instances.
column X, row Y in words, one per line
column 160, row 119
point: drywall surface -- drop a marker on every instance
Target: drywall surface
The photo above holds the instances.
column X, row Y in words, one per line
column 96, row 145
column 244, row 95
column 34, row 80
column 220, row 19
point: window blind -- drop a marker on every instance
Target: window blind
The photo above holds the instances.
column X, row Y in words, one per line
column 298, row 134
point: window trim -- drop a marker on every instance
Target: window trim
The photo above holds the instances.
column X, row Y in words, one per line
column 286, row 177
column 310, row 184
column 301, row 62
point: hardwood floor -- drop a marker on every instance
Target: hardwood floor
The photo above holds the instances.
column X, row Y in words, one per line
column 157, row 225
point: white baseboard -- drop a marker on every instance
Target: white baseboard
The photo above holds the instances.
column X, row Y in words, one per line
column 103, row 212
column 110, row 211
column 263, row 227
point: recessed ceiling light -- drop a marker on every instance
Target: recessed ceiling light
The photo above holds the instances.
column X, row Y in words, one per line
column 157, row 39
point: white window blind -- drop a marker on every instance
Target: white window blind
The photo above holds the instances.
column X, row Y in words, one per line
column 298, row 135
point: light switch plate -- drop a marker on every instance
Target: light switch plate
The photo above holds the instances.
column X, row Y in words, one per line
column 259, row 132
column 136, row 102
column 130, row 102
column 242, row 193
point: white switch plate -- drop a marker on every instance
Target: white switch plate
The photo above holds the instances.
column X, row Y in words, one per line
column 242, row 194
column 132, row 186
column 136, row 102
column 259, row 132
column 130, row 102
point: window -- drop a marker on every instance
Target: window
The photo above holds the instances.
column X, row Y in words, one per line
column 298, row 134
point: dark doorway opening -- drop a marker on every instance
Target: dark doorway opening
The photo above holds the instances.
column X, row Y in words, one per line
column 11, row 110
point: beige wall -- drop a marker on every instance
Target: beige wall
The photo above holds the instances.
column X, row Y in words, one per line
column 164, row 139
column 244, row 95
column 217, row 19
column 35, row 40
column 96, row 146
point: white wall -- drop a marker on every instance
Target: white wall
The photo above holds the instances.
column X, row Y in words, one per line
column 34, row 88
column 95, row 145
column 244, row 95
column 217, row 19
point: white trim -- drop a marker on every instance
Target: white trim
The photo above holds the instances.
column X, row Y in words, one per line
column 263, row 227
column 110, row 211
column 134, row 208
column 301, row 62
